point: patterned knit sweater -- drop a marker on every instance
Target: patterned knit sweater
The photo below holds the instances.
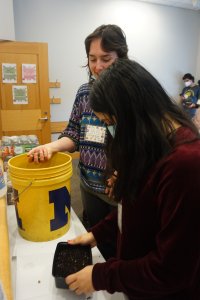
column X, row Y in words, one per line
column 92, row 162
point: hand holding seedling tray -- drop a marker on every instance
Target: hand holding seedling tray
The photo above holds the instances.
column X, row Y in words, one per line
column 69, row 259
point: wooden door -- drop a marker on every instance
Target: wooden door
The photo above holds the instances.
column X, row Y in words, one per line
column 32, row 115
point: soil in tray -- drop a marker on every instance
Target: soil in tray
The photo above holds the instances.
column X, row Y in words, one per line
column 69, row 259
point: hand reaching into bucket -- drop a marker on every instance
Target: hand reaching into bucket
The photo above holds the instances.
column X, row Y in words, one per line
column 45, row 152
column 40, row 153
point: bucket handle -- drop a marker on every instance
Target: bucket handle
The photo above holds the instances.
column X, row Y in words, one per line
column 16, row 198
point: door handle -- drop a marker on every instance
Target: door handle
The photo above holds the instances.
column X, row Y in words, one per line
column 43, row 119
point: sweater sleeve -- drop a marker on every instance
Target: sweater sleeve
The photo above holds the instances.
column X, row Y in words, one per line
column 172, row 266
column 72, row 130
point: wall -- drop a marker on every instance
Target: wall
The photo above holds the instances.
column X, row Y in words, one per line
column 164, row 39
column 7, row 31
column 198, row 61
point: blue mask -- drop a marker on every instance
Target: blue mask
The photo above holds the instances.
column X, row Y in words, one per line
column 112, row 129
column 93, row 77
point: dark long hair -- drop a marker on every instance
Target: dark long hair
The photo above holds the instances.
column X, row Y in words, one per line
column 112, row 39
column 143, row 111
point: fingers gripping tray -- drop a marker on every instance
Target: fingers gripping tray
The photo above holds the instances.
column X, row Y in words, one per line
column 69, row 259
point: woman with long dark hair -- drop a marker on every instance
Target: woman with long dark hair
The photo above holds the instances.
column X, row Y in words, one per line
column 155, row 152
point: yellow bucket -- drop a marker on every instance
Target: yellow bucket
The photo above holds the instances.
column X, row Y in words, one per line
column 42, row 193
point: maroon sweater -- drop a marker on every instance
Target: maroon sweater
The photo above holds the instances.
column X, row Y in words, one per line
column 159, row 246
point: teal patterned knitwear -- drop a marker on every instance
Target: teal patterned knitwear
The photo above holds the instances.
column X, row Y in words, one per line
column 83, row 121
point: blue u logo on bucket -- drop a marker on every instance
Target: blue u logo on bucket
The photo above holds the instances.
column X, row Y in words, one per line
column 61, row 200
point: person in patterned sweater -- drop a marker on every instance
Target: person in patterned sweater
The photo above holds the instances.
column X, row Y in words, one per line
column 87, row 134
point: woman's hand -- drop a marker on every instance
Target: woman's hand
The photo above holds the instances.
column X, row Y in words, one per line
column 45, row 152
column 81, row 282
column 84, row 239
column 110, row 185
column 192, row 105
column 40, row 153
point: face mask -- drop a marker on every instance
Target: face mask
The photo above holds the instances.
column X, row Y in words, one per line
column 112, row 129
column 188, row 83
column 93, row 77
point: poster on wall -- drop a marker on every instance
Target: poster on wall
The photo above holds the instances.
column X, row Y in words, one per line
column 9, row 73
column 28, row 73
column 20, row 94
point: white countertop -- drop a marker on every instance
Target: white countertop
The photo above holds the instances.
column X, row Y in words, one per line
column 31, row 265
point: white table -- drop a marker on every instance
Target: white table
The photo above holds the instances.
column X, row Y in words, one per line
column 31, row 265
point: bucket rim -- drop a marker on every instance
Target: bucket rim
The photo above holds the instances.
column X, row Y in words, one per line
column 16, row 181
column 36, row 170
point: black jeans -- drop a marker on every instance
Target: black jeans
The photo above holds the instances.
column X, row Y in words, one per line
column 96, row 209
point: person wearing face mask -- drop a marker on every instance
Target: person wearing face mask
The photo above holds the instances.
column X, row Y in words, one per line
column 190, row 95
column 87, row 134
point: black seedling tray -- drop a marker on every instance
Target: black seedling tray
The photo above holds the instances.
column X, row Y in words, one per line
column 69, row 259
